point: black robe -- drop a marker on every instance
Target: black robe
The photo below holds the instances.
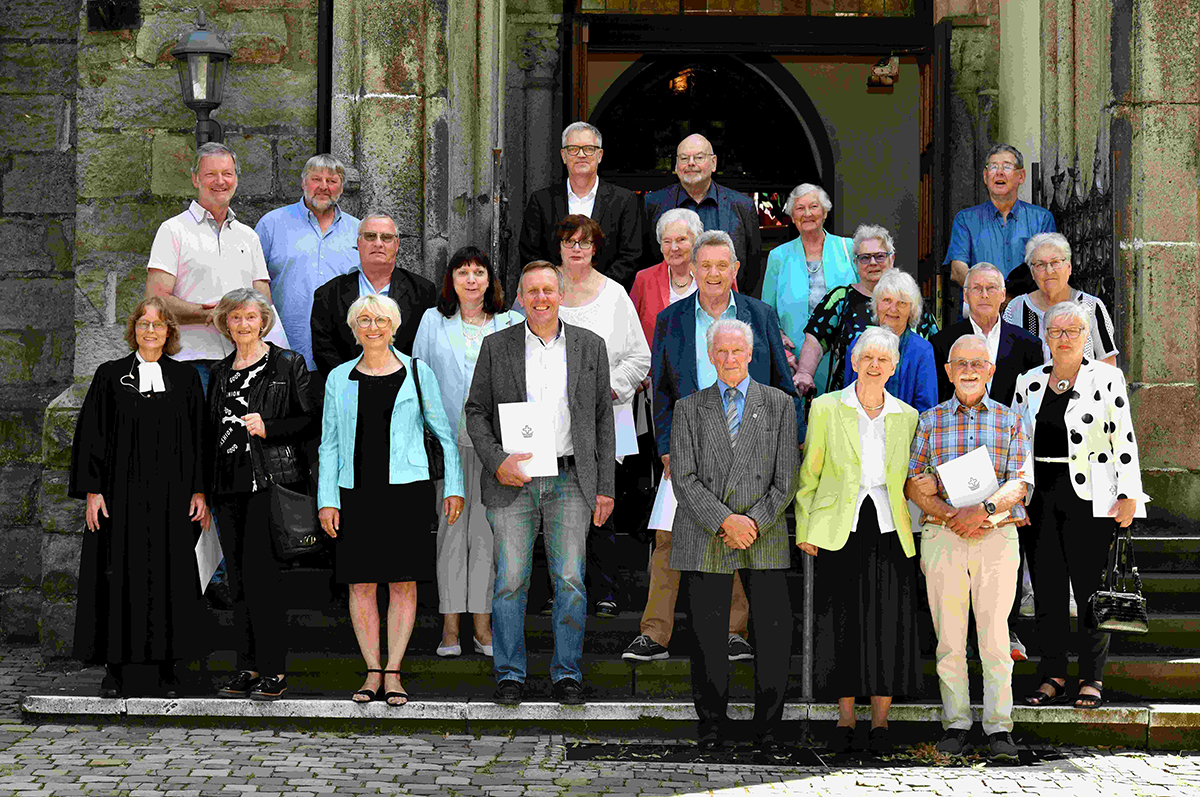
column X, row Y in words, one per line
column 139, row 591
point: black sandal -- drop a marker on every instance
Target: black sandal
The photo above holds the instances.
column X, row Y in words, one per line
column 389, row 695
column 1092, row 701
column 371, row 694
column 1040, row 698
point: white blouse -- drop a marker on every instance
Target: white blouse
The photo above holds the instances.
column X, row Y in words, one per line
column 873, row 455
column 612, row 316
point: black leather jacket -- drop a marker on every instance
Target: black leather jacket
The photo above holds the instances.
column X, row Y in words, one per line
column 284, row 400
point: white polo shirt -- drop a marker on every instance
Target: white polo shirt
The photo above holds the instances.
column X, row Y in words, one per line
column 207, row 263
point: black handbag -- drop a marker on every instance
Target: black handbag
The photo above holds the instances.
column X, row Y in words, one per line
column 1112, row 607
column 295, row 530
column 433, row 446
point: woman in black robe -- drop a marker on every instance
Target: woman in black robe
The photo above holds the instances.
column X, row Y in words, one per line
column 136, row 460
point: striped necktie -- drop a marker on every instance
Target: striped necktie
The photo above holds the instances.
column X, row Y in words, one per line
column 731, row 414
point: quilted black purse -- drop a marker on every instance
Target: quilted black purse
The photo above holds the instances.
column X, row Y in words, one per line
column 1112, row 607
column 433, row 446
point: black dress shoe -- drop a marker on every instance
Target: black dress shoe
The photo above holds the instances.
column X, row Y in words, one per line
column 239, row 685
column 768, row 743
column 568, row 691
column 880, row 742
column 842, row 740
column 509, row 693
column 710, row 741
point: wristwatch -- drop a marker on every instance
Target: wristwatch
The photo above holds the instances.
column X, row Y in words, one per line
column 989, row 507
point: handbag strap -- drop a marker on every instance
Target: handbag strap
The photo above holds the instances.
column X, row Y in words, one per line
column 417, row 384
column 1128, row 567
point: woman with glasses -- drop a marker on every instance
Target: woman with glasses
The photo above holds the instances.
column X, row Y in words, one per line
column 846, row 311
column 470, row 308
column 375, row 491
column 261, row 418
column 1049, row 257
column 136, row 460
column 1077, row 412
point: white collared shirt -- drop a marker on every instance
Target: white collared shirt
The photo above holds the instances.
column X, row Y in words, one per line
column 872, row 437
column 993, row 344
column 583, row 205
column 546, row 381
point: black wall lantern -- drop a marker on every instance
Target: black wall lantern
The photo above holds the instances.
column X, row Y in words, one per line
column 202, row 59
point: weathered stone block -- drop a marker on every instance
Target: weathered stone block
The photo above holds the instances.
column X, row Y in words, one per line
column 171, row 173
column 20, row 556
column 60, row 563
column 58, row 512
column 33, row 122
column 267, row 5
column 20, row 434
column 36, row 246
column 1162, row 418
column 392, row 159
column 302, row 40
column 19, row 611
column 98, row 344
column 18, row 492
column 1168, row 281
column 113, row 164
column 393, row 58
column 56, row 628
column 255, row 38
column 256, row 163
column 104, row 50
column 1166, row 56
column 37, row 68
column 129, row 98
column 292, row 153
column 107, row 226
column 1165, row 173
column 1176, row 496
column 45, row 19
column 58, row 427
column 103, row 280
column 24, row 303
column 274, row 97
column 40, row 184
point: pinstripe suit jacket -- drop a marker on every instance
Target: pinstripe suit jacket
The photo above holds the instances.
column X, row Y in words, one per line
column 713, row 479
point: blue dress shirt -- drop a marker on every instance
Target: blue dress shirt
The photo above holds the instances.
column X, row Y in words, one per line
column 979, row 234
column 739, row 400
column 300, row 259
column 706, row 372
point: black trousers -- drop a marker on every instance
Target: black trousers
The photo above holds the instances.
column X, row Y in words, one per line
column 259, row 618
column 1068, row 547
column 771, row 630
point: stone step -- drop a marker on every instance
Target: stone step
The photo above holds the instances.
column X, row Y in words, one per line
column 1172, row 591
column 1176, row 554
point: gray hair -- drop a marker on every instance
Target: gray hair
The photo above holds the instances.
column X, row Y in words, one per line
column 323, row 162
column 896, row 282
column 576, row 127
column 713, row 238
column 209, row 150
column 534, row 265
column 1070, row 310
column 1009, row 148
column 728, row 325
column 876, row 338
column 873, row 232
column 377, row 214
column 804, row 189
column 688, row 217
column 237, row 298
column 984, row 267
column 373, row 303
column 1042, row 239
column 972, row 338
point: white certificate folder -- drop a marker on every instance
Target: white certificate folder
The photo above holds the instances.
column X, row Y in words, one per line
column 969, row 479
column 527, row 427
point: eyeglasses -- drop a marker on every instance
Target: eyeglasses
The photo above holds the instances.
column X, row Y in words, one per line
column 878, row 257
column 693, row 158
column 146, row 326
column 971, row 365
column 1057, row 332
column 587, row 150
column 386, row 237
column 366, row 322
column 584, row 245
column 1050, row 265
column 1007, row 168
column 985, row 290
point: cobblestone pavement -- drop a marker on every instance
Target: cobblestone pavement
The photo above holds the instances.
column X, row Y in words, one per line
column 150, row 761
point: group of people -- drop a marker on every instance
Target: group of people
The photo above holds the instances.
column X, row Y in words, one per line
column 835, row 393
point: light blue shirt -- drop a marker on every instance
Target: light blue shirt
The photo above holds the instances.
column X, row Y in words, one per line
column 739, row 400
column 365, row 288
column 980, row 234
column 706, row 372
column 300, row 259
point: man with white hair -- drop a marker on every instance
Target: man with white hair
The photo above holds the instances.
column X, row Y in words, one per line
column 306, row 244
column 612, row 207
column 969, row 553
column 735, row 466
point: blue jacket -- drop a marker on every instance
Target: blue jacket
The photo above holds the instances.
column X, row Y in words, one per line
column 915, row 381
column 673, row 358
column 408, row 460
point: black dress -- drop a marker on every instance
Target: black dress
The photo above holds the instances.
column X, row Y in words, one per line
column 139, row 591
column 386, row 529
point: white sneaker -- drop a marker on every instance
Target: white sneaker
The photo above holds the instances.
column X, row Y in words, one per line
column 1027, row 605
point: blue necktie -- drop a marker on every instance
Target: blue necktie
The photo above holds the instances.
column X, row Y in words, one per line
column 731, row 414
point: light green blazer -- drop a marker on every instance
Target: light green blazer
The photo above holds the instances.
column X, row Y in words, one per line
column 832, row 470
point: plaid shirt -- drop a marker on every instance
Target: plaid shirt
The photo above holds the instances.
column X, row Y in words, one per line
column 950, row 430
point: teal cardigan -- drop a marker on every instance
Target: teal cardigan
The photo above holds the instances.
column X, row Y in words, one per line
column 408, row 460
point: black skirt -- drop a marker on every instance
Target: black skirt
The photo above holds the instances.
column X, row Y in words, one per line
column 387, row 534
column 867, row 605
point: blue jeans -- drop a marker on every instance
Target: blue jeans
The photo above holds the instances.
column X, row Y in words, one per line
column 565, row 520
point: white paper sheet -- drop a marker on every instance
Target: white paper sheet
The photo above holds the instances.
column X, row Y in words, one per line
column 969, row 479
column 626, row 430
column 1104, row 491
column 662, row 516
column 527, row 427
column 642, row 401
column 208, row 555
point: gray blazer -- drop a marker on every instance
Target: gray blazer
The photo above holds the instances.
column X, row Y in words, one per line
column 500, row 379
column 713, row 479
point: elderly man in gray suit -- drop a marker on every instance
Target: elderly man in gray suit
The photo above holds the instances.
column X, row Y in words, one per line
column 734, row 465
column 565, row 368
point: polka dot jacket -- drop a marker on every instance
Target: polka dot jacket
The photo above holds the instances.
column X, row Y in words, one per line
column 1099, row 426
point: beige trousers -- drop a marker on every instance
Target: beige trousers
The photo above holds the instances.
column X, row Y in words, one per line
column 658, row 619
column 961, row 575
column 466, row 568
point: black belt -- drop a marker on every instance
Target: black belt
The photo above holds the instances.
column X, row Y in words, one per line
column 566, row 462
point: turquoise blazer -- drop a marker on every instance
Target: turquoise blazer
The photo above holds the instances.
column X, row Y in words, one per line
column 408, row 463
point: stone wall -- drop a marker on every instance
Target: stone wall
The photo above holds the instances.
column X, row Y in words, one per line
column 37, row 233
